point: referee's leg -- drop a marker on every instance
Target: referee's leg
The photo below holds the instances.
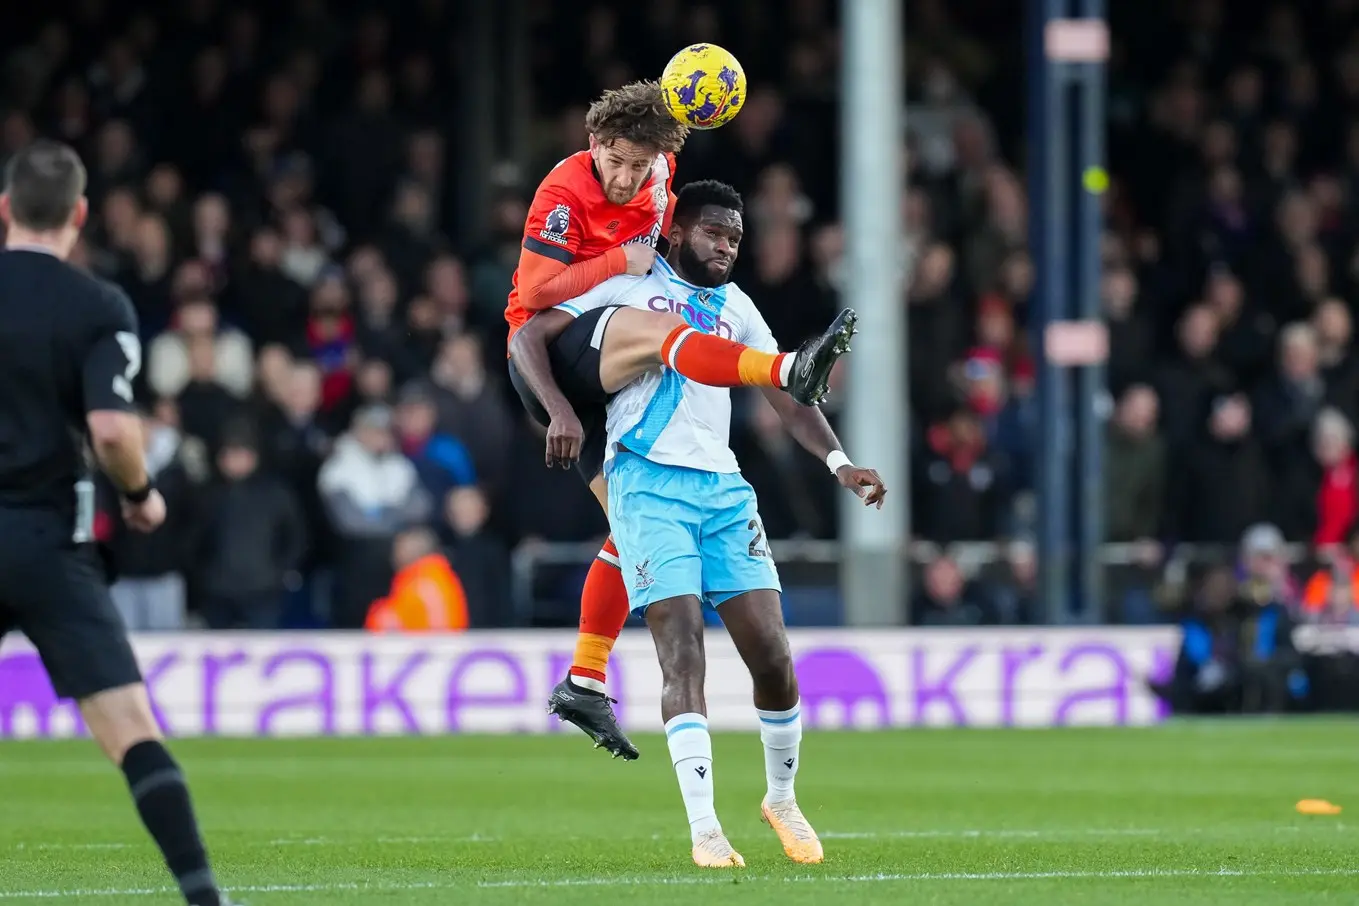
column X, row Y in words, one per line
column 61, row 602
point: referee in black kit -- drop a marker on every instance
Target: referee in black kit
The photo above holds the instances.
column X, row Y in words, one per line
column 68, row 355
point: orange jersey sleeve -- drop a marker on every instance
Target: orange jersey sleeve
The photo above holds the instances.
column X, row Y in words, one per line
column 545, row 281
column 556, row 223
column 549, row 273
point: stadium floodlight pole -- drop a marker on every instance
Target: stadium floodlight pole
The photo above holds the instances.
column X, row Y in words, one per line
column 1088, row 38
column 1049, row 223
column 873, row 553
column 1074, row 340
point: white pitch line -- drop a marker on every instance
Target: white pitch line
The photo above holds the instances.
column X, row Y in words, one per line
column 970, row 834
column 925, row 834
column 725, row 877
column 381, row 841
column 728, row 877
column 47, row 847
column 262, row 888
column 285, row 841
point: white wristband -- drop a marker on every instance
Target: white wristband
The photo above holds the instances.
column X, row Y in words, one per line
column 835, row 459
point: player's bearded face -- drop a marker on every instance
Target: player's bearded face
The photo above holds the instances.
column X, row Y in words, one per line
column 707, row 252
column 623, row 168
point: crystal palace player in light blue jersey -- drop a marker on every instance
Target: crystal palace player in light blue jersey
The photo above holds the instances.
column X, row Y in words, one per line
column 686, row 522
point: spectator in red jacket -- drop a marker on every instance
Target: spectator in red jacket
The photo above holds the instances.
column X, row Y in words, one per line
column 1337, row 502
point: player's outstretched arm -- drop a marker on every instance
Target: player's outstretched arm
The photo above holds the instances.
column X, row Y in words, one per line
column 528, row 349
column 808, row 426
column 546, row 281
column 550, row 271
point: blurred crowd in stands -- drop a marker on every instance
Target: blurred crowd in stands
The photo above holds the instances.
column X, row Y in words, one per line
column 278, row 189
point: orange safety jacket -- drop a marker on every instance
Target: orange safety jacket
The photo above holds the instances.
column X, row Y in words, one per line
column 1316, row 594
column 426, row 596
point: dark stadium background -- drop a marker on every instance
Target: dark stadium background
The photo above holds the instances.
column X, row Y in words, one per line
column 262, row 172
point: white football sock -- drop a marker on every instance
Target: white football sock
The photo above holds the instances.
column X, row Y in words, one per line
column 588, row 683
column 691, row 751
column 786, row 369
column 781, row 733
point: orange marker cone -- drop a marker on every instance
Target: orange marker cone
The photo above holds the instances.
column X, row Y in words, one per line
column 1317, row 807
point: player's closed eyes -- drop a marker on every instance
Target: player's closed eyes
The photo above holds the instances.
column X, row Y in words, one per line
column 636, row 166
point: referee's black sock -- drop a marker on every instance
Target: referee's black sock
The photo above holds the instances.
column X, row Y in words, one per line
column 162, row 799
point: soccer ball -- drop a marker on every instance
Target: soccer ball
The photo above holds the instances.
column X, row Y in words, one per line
column 704, row 86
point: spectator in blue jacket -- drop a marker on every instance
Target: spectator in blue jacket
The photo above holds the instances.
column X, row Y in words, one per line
column 442, row 461
column 1236, row 653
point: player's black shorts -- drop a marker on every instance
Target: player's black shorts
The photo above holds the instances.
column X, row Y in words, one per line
column 54, row 591
column 574, row 356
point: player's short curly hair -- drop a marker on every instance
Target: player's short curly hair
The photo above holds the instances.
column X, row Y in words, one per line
column 636, row 113
column 696, row 195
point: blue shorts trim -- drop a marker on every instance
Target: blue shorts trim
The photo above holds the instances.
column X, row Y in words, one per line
column 686, row 532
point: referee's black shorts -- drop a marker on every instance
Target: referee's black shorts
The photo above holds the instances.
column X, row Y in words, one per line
column 54, row 592
column 575, row 356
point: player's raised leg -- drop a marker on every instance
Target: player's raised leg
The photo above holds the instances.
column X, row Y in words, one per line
column 705, row 237
column 755, row 622
column 636, row 342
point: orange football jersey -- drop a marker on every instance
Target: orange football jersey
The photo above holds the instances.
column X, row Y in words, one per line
column 572, row 220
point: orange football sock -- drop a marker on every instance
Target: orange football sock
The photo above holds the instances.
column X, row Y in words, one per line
column 603, row 611
column 717, row 362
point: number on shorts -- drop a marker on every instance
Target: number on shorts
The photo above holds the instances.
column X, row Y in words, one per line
column 757, row 547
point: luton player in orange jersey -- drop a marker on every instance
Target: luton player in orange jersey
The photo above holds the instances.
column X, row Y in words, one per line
column 601, row 213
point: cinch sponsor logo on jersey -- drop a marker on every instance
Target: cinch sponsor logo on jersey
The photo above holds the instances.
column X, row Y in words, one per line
column 694, row 315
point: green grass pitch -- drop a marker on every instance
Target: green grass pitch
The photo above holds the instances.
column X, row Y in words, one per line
column 1187, row 813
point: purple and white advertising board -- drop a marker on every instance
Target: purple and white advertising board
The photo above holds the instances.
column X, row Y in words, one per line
column 295, row 684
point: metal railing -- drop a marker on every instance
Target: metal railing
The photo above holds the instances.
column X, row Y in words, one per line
column 970, row 556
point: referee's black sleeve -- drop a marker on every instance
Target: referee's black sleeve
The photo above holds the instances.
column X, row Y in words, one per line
column 115, row 356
